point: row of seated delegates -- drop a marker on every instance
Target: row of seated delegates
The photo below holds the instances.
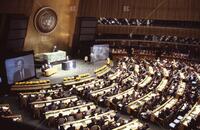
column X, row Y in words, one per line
column 164, row 54
column 5, row 110
column 79, row 115
column 125, row 21
column 49, row 96
column 196, row 66
column 104, row 83
column 25, row 98
column 194, row 124
column 106, row 75
column 118, row 51
column 174, row 82
column 145, row 111
column 145, row 22
column 136, row 94
column 175, row 55
column 96, row 86
column 6, row 113
column 34, row 82
column 38, row 112
column 45, row 67
column 169, row 112
column 184, row 104
column 175, row 39
column 102, row 123
column 124, row 99
column 119, row 87
column 143, row 52
column 52, row 121
column 188, row 94
column 86, row 90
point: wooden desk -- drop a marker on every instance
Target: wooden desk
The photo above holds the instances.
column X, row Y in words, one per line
column 68, row 111
column 16, row 117
column 181, row 88
column 39, row 104
column 4, row 105
column 24, row 96
column 145, row 81
column 198, row 76
column 195, row 111
column 162, row 85
column 50, row 71
column 90, row 84
column 168, row 104
column 165, row 72
column 150, row 70
column 137, row 69
column 128, row 78
column 103, row 72
column 140, row 102
column 133, row 125
column 31, row 85
column 120, row 95
column 182, row 76
column 88, row 120
column 69, row 83
column 100, row 69
column 36, row 93
column 115, row 75
column 101, row 91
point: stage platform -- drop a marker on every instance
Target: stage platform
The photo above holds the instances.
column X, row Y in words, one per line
column 81, row 67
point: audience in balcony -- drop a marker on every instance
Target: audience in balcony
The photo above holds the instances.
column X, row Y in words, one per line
column 147, row 22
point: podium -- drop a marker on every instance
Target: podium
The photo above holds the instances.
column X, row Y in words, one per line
column 68, row 65
column 51, row 56
column 50, row 71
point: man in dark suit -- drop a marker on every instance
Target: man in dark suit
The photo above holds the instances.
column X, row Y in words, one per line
column 22, row 72
column 61, row 119
column 71, row 127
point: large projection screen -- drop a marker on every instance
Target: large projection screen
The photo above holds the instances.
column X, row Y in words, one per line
column 99, row 52
column 20, row 68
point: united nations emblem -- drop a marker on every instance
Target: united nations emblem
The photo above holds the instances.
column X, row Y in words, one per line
column 45, row 20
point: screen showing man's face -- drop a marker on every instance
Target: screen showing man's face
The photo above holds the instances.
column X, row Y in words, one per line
column 19, row 65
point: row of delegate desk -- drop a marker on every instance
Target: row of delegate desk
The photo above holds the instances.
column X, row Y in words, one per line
column 193, row 113
column 37, row 85
column 31, row 85
column 13, row 117
column 132, row 125
column 171, row 102
column 162, row 85
column 79, row 79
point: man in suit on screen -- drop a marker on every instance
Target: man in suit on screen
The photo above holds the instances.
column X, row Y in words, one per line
column 21, row 72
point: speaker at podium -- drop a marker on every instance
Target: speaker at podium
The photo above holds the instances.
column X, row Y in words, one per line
column 69, row 65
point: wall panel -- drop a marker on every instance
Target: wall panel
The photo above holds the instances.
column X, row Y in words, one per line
column 114, row 29
column 62, row 35
column 16, row 6
column 186, row 10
